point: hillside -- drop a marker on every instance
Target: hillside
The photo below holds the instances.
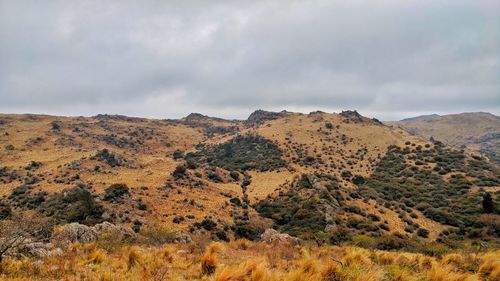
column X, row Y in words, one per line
column 477, row 131
column 322, row 177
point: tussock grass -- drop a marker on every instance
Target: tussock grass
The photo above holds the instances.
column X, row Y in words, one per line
column 250, row 261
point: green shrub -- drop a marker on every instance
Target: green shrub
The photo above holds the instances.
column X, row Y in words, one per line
column 116, row 192
column 391, row 242
column 72, row 205
column 177, row 154
column 242, row 153
column 340, row 235
column 364, row 241
column 179, row 172
column 357, row 180
column 244, row 229
column 208, row 224
column 157, row 235
column 435, row 250
column 234, row 175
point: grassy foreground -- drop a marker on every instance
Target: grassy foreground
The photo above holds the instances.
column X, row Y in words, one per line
column 244, row 260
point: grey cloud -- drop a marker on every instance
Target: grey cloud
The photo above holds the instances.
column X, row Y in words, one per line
column 388, row 59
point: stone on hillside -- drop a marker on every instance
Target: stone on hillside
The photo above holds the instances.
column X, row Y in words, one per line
column 109, row 228
column 40, row 250
column 262, row 115
column 74, row 232
column 182, row 238
column 271, row 236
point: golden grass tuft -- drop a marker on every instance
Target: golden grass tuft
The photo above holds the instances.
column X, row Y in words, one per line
column 209, row 260
column 96, row 256
column 242, row 244
column 490, row 269
column 208, row 263
column 133, row 257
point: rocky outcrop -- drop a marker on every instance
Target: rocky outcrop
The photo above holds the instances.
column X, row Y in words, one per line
column 262, row 115
column 110, row 158
column 352, row 116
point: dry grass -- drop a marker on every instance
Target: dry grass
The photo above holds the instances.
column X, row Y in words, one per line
column 252, row 262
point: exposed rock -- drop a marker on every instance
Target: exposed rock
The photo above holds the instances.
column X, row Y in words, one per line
column 262, row 115
column 37, row 250
column 109, row 228
column 315, row 183
column 110, row 158
column 74, row 232
column 271, row 236
column 182, row 237
column 330, row 228
column 352, row 116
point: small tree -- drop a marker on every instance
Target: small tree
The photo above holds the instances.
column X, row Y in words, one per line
column 488, row 205
column 20, row 231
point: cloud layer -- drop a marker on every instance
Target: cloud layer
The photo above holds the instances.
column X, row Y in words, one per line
column 388, row 59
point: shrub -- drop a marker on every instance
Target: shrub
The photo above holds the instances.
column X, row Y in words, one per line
column 55, row 125
column 357, row 180
column 157, row 235
column 364, row 241
column 221, row 234
column 234, row 175
column 422, row 232
column 179, row 172
column 242, row 153
column 340, row 235
column 73, row 205
column 236, row 201
column 178, row 219
column 116, row 191
column 346, row 174
column 247, row 230
column 435, row 250
column 177, row 154
column 142, row 206
column 208, row 224
column 391, row 242
column 5, row 210
column 488, row 205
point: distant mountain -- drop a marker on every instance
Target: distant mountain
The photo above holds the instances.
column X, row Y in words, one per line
column 477, row 131
column 422, row 118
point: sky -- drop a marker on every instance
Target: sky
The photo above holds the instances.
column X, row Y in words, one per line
column 388, row 59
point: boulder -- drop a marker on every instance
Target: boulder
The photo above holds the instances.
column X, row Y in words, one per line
column 182, row 238
column 271, row 236
column 74, row 232
column 119, row 230
column 35, row 249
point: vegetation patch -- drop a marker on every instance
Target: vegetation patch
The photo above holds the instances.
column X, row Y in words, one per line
column 404, row 186
column 241, row 153
column 116, row 192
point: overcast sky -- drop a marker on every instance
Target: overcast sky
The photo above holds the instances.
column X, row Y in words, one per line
column 165, row 59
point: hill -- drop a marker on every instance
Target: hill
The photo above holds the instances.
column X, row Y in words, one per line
column 322, row 177
column 477, row 131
